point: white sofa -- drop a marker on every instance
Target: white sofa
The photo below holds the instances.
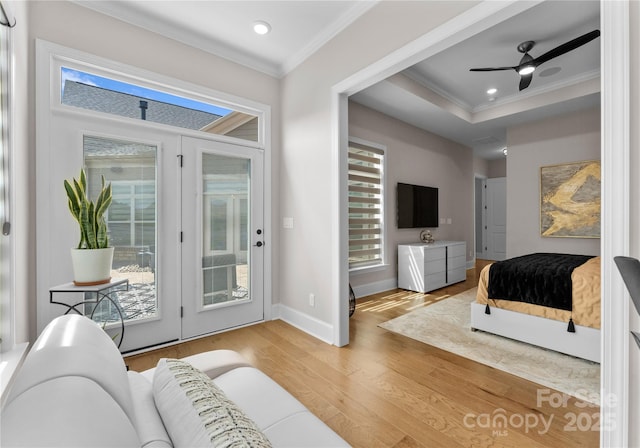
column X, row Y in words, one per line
column 74, row 390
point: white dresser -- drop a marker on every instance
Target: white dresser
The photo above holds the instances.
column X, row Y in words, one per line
column 425, row 267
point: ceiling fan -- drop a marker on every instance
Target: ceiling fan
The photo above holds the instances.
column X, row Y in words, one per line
column 528, row 64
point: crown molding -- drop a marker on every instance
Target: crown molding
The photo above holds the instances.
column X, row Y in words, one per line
column 552, row 87
column 413, row 74
column 124, row 12
column 329, row 32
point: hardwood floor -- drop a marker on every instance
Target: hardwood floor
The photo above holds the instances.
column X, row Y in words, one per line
column 385, row 390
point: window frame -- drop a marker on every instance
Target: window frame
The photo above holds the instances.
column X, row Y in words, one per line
column 60, row 57
column 13, row 329
column 382, row 263
column 7, row 329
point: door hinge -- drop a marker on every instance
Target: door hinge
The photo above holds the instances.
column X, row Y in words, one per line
column 180, row 157
column 181, row 237
column 181, row 312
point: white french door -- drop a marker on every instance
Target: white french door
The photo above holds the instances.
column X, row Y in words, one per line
column 141, row 165
column 130, row 126
column 222, row 236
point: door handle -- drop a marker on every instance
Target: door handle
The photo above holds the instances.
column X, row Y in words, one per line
column 259, row 244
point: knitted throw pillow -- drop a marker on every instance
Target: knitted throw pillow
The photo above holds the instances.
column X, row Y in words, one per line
column 196, row 413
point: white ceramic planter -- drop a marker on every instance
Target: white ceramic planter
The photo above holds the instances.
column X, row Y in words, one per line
column 91, row 266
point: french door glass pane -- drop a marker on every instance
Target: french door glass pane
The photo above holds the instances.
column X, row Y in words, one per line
column 131, row 220
column 225, row 205
column 219, row 217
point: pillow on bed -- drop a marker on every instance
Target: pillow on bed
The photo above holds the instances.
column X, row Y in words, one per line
column 197, row 413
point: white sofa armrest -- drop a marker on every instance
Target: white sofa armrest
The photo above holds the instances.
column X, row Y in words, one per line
column 214, row 363
column 282, row 418
column 147, row 422
column 74, row 345
column 70, row 411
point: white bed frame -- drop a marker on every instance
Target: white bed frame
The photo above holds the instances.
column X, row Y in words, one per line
column 540, row 331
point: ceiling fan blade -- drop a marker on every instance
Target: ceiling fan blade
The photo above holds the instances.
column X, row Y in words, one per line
column 567, row 47
column 525, row 80
column 491, row 69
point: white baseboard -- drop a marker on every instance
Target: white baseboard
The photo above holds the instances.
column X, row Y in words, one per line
column 375, row 287
column 322, row 330
column 387, row 285
column 309, row 324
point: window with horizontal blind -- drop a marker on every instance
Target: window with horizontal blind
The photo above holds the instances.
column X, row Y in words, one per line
column 366, row 204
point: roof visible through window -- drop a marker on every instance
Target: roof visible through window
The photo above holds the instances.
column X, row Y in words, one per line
column 101, row 94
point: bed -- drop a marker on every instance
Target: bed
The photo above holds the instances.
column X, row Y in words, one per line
column 523, row 299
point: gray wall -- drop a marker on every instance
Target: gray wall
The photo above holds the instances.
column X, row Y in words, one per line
column 497, row 168
column 417, row 157
column 570, row 138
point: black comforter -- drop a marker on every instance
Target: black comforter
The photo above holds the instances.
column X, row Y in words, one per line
column 542, row 279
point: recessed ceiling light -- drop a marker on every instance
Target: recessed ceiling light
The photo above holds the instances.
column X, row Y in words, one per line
column 261, row 27
column 491, row 91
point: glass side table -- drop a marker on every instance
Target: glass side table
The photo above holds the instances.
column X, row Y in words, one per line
column 98, row 295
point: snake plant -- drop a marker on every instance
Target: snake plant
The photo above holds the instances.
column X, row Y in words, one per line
column 89, row 214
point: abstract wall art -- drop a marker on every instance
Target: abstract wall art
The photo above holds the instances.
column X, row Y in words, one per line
column 570, row 200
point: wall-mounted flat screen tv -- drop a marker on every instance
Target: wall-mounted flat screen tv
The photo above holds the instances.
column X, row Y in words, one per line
column 417, row 206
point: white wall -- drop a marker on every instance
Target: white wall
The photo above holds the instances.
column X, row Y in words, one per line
column 306, row 177
column 570, row 138
column 417, row 157
column 77, row 27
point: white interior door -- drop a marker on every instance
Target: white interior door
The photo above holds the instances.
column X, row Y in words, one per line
column 497, row 218
column 222, row 236
column 480, row 216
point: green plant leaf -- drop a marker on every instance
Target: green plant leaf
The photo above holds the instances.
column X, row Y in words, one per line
column 74, row 202
column 83, row 181
column 89, row 215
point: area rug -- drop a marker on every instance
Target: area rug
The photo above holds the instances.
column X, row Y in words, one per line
column 446, row 325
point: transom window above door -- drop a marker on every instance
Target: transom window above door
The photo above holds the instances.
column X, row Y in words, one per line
column 106, row 95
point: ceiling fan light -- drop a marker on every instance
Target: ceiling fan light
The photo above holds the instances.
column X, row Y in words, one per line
column 526, row 70
column 261, row 27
